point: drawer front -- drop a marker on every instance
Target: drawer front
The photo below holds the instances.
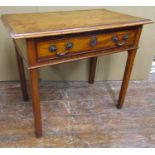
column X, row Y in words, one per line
column 56, row 48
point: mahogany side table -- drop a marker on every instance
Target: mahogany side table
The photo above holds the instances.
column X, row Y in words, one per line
column 58, row 37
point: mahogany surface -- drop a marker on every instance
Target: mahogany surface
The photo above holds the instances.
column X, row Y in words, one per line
column 30, row 25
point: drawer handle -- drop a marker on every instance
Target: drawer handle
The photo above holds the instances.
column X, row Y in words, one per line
column 116, row 40
column 93, row 41
column 62, row 54
column 53, row 48
column 69, row 45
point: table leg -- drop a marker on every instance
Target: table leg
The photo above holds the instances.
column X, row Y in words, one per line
column 36, row 101
column 127, row 73
column 22, row 76
column 93, row 62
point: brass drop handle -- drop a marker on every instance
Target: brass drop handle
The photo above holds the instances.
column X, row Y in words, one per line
column 69, row 46
column 62, row 54
column 53, row 48
column 116, row 40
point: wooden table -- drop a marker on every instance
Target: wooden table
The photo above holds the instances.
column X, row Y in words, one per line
column 59, row 37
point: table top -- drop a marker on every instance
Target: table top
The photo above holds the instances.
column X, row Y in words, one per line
column 32, row 25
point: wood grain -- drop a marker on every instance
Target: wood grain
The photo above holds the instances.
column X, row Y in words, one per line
column 82, row 43
column 32, row 25
column 34, row 84
column 84, row 55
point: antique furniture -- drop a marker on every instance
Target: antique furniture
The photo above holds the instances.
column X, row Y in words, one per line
column 59, row 37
